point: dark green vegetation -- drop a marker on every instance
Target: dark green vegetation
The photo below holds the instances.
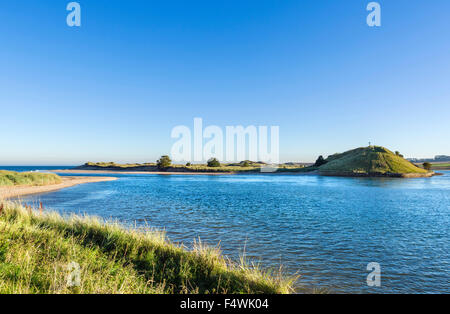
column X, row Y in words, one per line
column 320, row 161
column 426, row 166
column 164, row 162
column 371, row 161
column 213, row 163
column 11, row 178
column 37, row 248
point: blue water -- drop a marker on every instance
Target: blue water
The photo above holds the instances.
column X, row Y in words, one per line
column 325, row 229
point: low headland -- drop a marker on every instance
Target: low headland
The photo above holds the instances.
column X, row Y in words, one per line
column 16, row 184
column 371, row 161
column 232, row 168
column 39, row 249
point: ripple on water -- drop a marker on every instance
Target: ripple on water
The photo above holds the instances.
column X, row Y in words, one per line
column 327, row 229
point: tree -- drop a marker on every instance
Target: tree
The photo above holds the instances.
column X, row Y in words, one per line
column 320, row 161
column 398, row 154
column 188, row 164
column 427, row 166
column 245, row 164
column 213, row 162
column 164, row 162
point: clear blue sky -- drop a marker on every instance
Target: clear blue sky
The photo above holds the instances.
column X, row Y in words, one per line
column 113, row 89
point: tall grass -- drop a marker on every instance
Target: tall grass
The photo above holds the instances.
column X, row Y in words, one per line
column 36, row 249
column 11, row 178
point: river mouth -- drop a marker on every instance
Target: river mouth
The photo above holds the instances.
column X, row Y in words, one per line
column 327, row 229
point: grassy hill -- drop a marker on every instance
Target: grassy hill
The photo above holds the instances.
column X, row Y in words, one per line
column 371, row 161
column 11, row 178
column 37, row 248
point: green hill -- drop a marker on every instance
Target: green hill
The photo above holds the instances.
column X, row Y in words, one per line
column 371, row 161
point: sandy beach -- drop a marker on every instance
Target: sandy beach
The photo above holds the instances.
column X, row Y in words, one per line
column 16, row 191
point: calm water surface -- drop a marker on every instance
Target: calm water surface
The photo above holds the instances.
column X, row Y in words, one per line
column 326, row 229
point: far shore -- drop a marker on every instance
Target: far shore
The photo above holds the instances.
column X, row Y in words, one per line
column 379, row 175
column 185, row 173
column 9, row 192
column 292, row 173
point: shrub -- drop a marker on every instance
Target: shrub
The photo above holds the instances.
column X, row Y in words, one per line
column 426, row 166
column 213, row 162
column 164, row 162
column 320, row 161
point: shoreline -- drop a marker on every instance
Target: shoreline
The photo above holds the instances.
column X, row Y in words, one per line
column 378, row 175
column 9, row 192
column 78, row 171
column 289, row 173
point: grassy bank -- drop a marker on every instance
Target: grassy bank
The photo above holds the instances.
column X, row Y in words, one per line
column 11, row 178
column 36, row 249
column 243, row 167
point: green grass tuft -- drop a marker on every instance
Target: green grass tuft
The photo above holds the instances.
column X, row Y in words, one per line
column 11, row 178
column 36, row 249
